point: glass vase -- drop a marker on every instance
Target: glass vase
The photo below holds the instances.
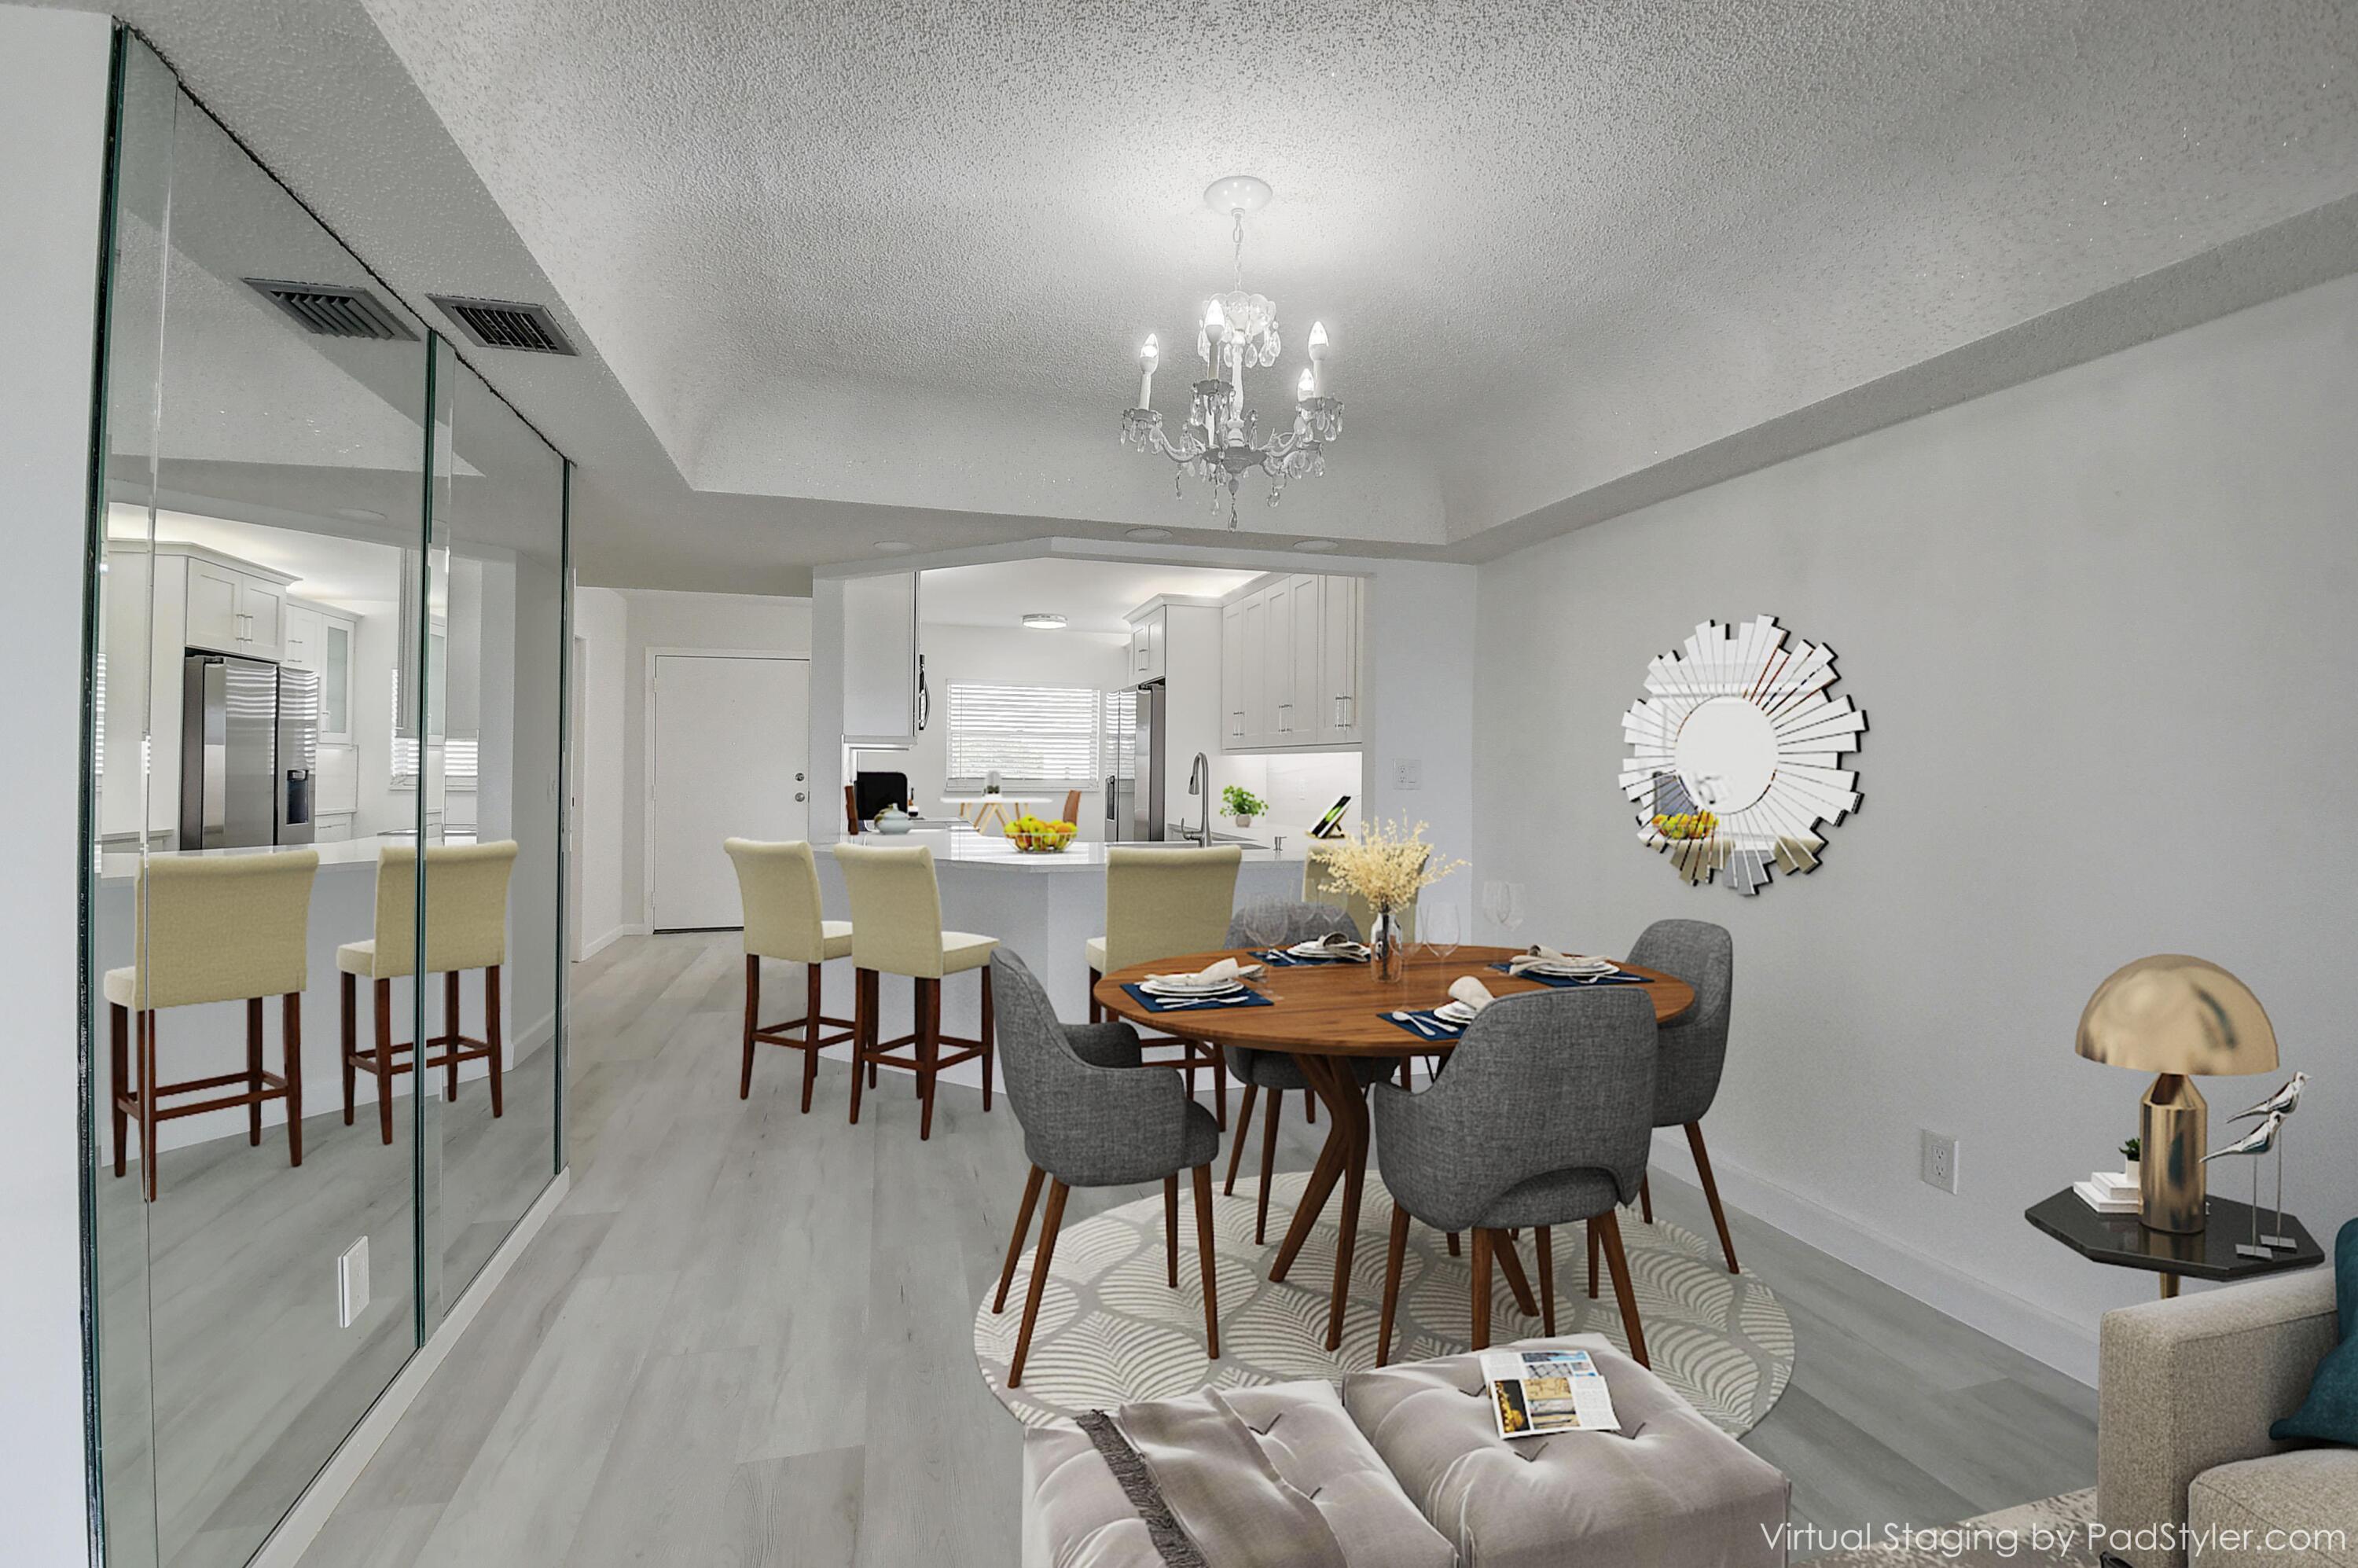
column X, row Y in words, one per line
column 1390, row 950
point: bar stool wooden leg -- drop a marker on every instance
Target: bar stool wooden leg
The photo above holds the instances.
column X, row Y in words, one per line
column 290, row 1046
column 861, row 1023
column 990, row 1037
column 253, row 1071
column 1237, row 1140
column 875, row 1001
column 752, row 1005
column 148, row 1104
column 118, row 1077
column 384, row 1062
column 810, row 1035
column 492, row 1035
column 450, row 1032
column 349, row 1010
column 929, row 1051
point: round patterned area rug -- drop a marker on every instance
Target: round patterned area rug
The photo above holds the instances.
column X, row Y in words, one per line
column 1111, row 1331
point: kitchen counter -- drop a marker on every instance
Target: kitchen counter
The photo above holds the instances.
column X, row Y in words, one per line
column 953, row 848
column 123, row 865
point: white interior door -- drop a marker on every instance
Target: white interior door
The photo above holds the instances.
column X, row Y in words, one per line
column 729, row 735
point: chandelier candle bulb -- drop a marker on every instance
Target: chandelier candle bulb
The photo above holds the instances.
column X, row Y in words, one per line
column 1308, row 388
column 1318, row 359
column 1146, row 358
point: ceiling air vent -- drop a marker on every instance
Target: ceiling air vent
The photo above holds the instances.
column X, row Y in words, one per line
column 333, row 309
column 505, row 324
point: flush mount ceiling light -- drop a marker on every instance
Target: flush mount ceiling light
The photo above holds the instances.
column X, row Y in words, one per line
column 1222, row 437
column 1149, row 536
column 1038, row 622
column 1315, row 546
column 891, row 547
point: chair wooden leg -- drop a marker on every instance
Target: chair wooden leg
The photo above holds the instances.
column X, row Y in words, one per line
column 1237, row 1139
column 493, row 1040
column 349, row 1010
column 875, row 1000
column 290, row 1046
column 1403, row 1073
column 1220, row 1087
column 988, row 1035
column 1015, row 1243
column 811, row 1003
column 148, row 1104
column 1645, row 1198
column 1592, row 1259
column 1171, row 1227
column 1310, row 1107
column 752, row 1007
column 118, row 1079
column 253, row 1071
column 1393, row 1257
column 1268, row 1166
column 1511, row 1263
column 929, row 1049
column 1547, row 1284
column 1453, row 1244
column 384, row 1060
column 861, row 1022
column 1481, row 1288
column 1097, row 1007
column 449, row 1028
column 1711, row 1191
column 1608, row 1225
column 1204, row 1261
column 1049, row 1222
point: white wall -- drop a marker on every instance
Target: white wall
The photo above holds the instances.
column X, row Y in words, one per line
column 2100, row 626
column 742, row 623
column 601, row 624
column 1419, row 670
column 53, row 69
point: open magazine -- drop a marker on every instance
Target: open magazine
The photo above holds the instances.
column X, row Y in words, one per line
column 1533, row 1392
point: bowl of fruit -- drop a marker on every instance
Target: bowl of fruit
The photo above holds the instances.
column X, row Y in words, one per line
column 1033, row 836
column 1687, row 825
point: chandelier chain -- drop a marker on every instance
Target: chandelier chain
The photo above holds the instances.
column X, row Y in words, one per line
column 1236, row 238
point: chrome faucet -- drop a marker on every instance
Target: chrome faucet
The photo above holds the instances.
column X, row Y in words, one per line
column 1199, row 783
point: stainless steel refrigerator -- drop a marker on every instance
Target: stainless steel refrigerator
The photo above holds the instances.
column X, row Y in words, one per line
column 1134, row 788
column 249, row 752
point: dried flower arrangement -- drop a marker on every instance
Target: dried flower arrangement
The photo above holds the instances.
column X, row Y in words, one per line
column 1388, row 864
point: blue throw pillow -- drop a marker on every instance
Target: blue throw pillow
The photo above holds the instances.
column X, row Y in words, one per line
column 2330, row 1414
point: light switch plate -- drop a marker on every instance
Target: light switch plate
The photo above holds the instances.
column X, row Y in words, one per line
column 1937, row 1159
column 1408, row 772
column 352, row 1283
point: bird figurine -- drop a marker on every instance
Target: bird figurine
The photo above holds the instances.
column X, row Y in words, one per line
column 2285, row 1101
column 2258, row 1141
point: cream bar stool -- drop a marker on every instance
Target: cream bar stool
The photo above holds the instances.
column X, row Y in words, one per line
column 896, row 929
column 213, row 928
column 466, row 928
column 1162, row 904
column 779, row 886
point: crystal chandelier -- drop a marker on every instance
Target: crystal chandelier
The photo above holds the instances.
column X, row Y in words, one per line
column 1222, row 437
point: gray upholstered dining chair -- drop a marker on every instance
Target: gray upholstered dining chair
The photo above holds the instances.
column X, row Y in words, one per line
column 1544, row 1118
column 1278, row 923
column 1093, row 1115
column 1694, row 1050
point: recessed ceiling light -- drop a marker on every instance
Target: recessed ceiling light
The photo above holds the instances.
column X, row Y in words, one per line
column 1150, row 535
column 1044, row 623
column 1315, row 546
column 891, row 547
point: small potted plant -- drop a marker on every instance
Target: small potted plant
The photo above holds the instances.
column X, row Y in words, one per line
column 2130, row 1152
column 1242, row 805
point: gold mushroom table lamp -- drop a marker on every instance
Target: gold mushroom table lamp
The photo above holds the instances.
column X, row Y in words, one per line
column 2179, row 1018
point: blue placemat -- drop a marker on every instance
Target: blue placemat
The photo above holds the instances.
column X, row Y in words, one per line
column 1430, row 1018
column 1562, row 982
column 1153, row 1003
column 1280, row 959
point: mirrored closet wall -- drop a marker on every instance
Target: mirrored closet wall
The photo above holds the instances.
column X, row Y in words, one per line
column 330, row 595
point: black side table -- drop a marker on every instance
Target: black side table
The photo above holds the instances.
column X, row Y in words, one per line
column 2206, row 1254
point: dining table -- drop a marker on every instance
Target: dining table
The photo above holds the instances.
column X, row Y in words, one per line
column 1323, row 1015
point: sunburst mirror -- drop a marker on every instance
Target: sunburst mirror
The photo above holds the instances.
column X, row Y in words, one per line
column 1734, row 753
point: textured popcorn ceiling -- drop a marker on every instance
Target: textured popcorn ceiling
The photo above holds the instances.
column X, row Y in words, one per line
column 880, row 269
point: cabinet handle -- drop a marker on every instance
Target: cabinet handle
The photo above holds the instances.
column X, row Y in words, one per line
column 1342, row 712
column 1284, row 725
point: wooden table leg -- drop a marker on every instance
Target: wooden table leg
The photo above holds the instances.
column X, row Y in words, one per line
column 1314, row 1198
column 1339, row 1087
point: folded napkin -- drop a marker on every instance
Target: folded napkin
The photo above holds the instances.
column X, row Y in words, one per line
column 1542, row 955
column 1333, row 942
column 1471, row 991
column 1220, row 972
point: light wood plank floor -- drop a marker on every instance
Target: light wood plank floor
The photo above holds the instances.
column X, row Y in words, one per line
column 745, row 1338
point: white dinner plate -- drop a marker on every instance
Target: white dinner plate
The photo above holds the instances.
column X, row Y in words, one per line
column 1184, row 988
column 1454, row 1012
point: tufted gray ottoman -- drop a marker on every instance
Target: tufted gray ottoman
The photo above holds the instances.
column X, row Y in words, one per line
column 1669, row 1490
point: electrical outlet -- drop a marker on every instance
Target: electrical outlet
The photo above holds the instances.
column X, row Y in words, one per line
column 1937, row 1159
column 1408, row 772
column 352, row 1283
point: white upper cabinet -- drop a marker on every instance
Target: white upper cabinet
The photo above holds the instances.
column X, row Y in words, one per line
column 1291, row 655
column 1150, row 644
column 231, row 610
column 879, row 659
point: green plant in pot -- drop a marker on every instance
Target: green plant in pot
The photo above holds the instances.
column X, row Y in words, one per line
column 2130, row 1153
column 1242, row 805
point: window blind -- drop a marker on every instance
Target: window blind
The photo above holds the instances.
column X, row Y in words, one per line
column 1035, row 737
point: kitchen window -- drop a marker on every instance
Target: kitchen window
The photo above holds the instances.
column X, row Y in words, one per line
column 1034, row 736
column 459, row 751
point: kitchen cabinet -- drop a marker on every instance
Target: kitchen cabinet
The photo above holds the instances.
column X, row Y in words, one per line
column 880, row 660
column 1292, row 652
column 320, row 640
column 1150, row 653
column 235, row 611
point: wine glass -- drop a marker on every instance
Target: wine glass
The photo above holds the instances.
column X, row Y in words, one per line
column 1443, row 928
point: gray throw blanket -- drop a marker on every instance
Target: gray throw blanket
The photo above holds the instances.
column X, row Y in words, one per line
column 1206, row 1491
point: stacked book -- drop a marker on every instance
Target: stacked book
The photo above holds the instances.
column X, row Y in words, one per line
column 2109, row 1192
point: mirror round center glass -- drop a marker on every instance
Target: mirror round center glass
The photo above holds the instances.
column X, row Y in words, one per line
column 1726, row 754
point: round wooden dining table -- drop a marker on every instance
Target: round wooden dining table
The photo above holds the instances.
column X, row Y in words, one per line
column 1321, row 1016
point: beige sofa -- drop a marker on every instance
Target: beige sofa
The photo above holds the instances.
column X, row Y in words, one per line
column 2186, row 1390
